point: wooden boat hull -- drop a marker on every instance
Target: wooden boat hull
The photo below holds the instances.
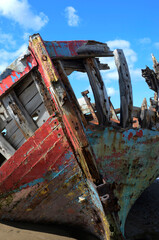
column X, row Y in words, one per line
column 65, row 169
column 128, row 161
column 43, row 182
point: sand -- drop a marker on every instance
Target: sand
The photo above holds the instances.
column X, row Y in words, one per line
column 25, row 231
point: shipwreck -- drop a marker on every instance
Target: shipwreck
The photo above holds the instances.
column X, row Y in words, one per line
column 61, row 165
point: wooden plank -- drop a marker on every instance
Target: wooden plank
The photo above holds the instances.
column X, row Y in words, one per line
column 72, row 124
column 42, row 115
column 21, row 86
column 87, row 100
column 20, row 143
column 126, row 98
column 19, row 114
column 77, row 65
column 24, row 112
column 10, row 128
column 2, row 125
column 16, row 138
column 5, row 148
column 32, row 105
column 113, row 113
column 98, row 88
column 28, row 94
column 44, row 93
column 70, row 91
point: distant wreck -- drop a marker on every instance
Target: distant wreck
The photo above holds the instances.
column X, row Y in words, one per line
column 60, row 164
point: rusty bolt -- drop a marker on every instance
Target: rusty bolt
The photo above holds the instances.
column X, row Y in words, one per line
column 44, row 57
column 104, row 198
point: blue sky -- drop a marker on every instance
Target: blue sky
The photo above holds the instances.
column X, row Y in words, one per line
column 130, row 25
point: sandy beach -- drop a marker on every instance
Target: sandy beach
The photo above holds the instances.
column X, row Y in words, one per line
column 25, row 231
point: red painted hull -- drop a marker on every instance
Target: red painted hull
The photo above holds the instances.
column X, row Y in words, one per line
column 43, row 182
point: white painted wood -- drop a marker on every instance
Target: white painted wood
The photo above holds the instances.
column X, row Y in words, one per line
column 5, row 148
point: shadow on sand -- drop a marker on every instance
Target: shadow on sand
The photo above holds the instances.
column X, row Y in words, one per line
column 52, row 229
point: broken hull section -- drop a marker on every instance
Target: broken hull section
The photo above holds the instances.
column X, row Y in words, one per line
column 59, row 193
column 128, row 162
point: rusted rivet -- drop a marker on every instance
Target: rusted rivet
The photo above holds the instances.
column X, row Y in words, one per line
column 44, row 57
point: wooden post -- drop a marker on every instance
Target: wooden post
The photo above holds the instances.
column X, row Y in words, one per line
column 126, row 98
column 69, row 89
column 113, row 112
column 156, row 69
column 19, row 114
column 43, row 92
column 98, row 88
column 71, row 121
column 84, row 94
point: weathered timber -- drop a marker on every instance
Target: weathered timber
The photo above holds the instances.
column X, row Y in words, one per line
column 155, row 65
column 3, row 112
column 44, row 94
column 147, row 117
column 69, row 89
column 98, row 88
column 73, row 124
column 77, row 49
column 152, row 79
column 32, row 105
column 126, row 98
column 113, row 112
column 19, row 114
column 23, row 84
column 5, row 148
column 28, row 94
column 84, row 94
column 77, row 65
column 40, row 115
column 93, row 50
column 156, row 68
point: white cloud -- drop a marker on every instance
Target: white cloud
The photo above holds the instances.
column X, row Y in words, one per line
column 7, row 57
column 118, row 44
column 72, row 17
column 20, row 12
column 7, row 40
column 111, row 91
column 145, row 40
column 157, row 45
column 26, row 36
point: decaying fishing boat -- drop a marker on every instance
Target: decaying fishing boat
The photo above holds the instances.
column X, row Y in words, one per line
column 61, row 165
